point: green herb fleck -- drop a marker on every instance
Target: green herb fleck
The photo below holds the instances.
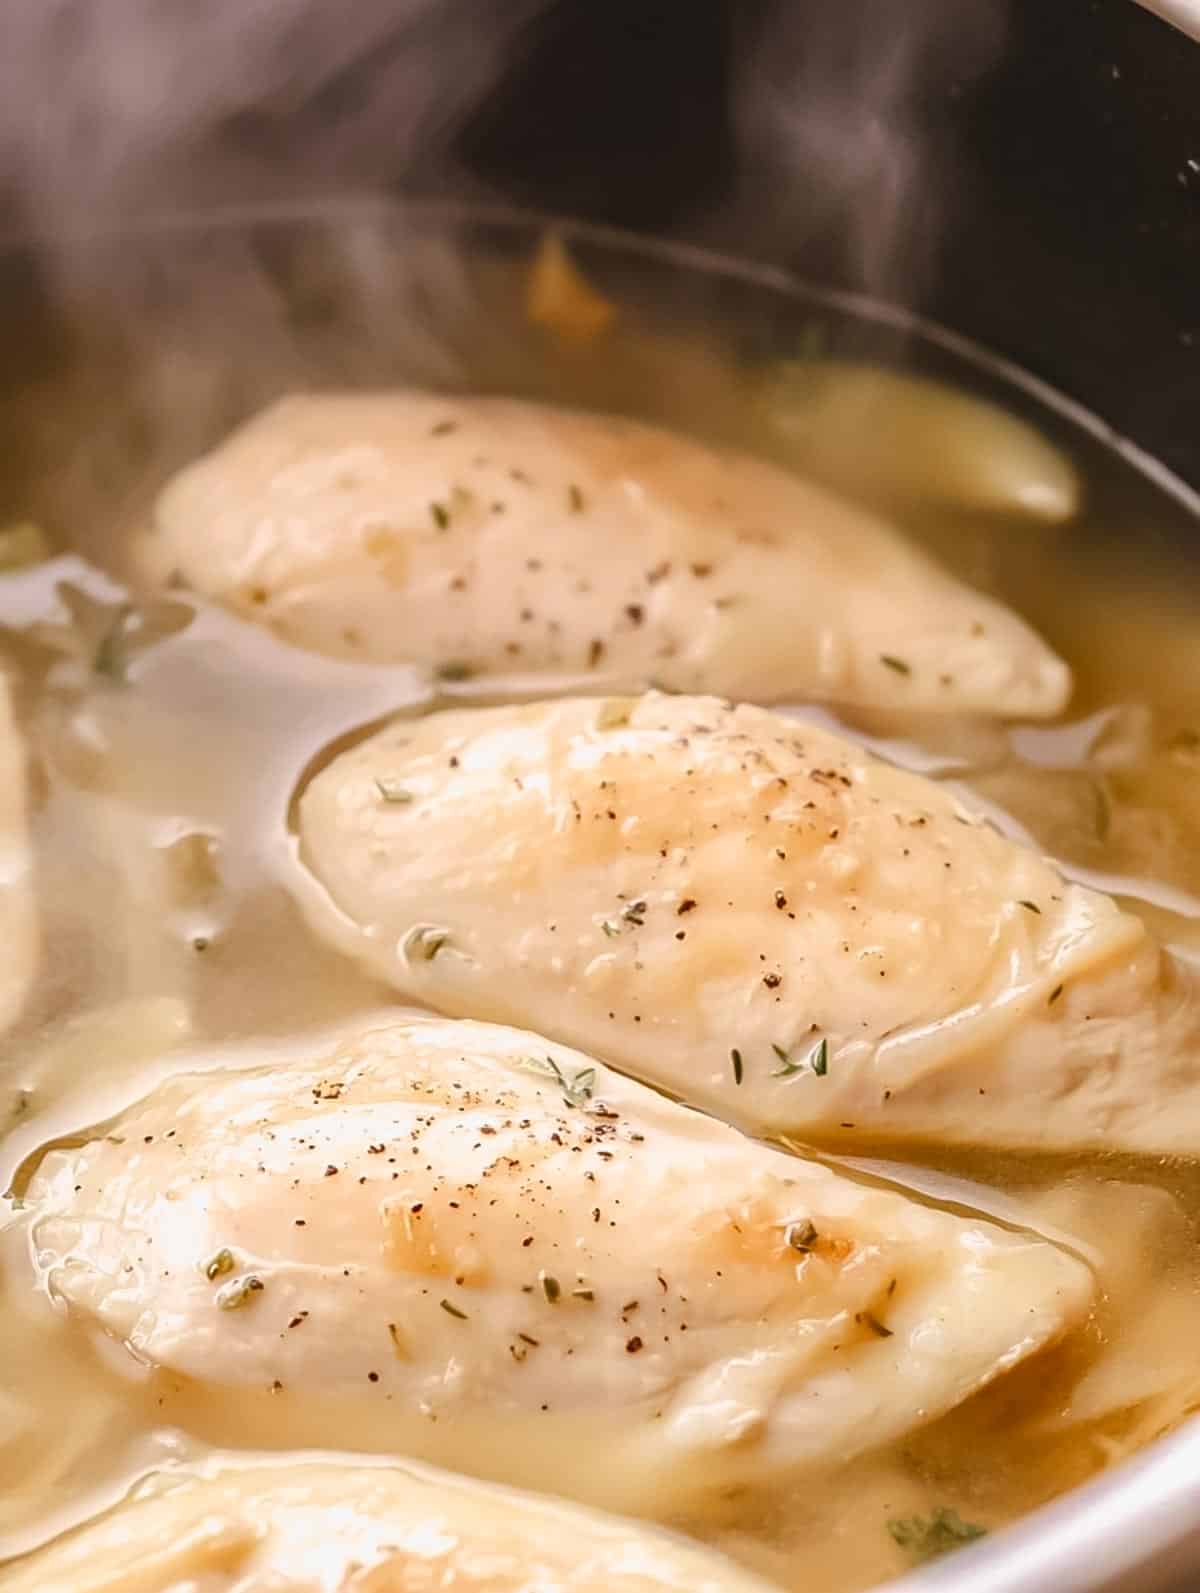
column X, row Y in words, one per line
column 583, row 1294
column 441, row 515
column 390, row 791
column 735, row 1056
column 454, row 670
column 1054, row 995
column 818, row 1058
column 423, row 942
column 1030, row 907
column 577, row 1091
column 551, row 1287
column 452, row 1310
column 928, row 1536
column 237, row 1294
column 789, row 1068
column 611, row 929
column 801, row 1235
column 217, row 1266
column 580, row 1088
column 897, row 664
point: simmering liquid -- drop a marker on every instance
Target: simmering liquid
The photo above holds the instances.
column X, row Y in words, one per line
column 160, row 792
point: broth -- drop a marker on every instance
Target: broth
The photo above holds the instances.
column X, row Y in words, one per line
column 163, row 858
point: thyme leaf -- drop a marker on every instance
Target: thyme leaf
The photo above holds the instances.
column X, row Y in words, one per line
column 577, row 1090
column 789, row 1069
column 926, row 1537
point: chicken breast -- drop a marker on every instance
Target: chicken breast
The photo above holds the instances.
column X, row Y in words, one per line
column 926, row 442
column 321, row 1527
column 481, row 535
column 757, row 916
column 467, row 1244
column 18, row 911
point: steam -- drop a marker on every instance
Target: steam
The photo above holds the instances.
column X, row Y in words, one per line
column 119, row 117
column 119, row 109
column 837, row 125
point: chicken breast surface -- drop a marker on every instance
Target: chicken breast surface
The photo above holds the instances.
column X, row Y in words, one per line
column 465, row 1243
column 756, row 915
column 323, row 1527
column 485, row 535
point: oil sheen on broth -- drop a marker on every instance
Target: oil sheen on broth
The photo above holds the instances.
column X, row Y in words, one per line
column 165, row 743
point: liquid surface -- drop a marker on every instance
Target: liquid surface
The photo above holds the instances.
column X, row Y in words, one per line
column 160, row 791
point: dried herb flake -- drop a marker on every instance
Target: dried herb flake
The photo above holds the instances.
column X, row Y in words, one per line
column 926, row 1537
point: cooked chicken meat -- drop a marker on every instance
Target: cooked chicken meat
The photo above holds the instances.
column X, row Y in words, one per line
column 471, row 1245
column 757, row 916
column 234, row 1526
column 485, row 535
column 929, row 442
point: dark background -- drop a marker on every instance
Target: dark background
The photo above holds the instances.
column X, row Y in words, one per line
column 1054, row 215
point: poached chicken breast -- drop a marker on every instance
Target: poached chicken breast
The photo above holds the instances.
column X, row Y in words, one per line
column 311, row 1526
column 464, row 1243
column 756, row 915
column 483, row 536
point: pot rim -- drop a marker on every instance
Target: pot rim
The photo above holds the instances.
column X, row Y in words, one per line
column 670, row 250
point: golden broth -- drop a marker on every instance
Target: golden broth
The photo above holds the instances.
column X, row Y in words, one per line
column 160, row 799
